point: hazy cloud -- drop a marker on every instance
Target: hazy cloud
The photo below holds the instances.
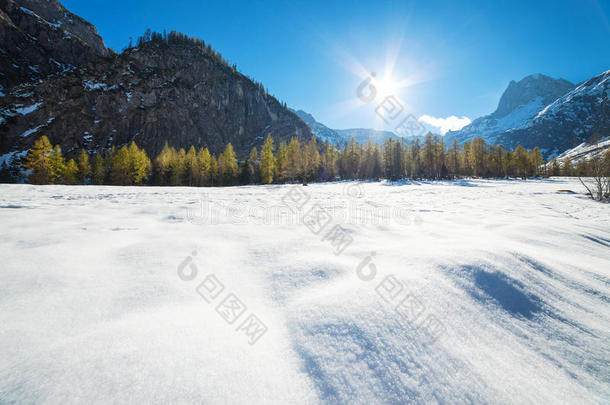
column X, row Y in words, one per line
column 444, row 125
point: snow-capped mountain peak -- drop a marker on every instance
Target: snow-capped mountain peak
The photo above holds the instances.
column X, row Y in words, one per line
column 551, row 114
column 519, row 103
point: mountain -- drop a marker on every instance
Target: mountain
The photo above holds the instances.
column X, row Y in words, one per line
column 320, row 130
column 580, row 115
column 518, row 104
column 551, row 114
column 340, row 136
column 167, row 88
column 41, row 37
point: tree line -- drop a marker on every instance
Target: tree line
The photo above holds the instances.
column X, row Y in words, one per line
column 293, row 161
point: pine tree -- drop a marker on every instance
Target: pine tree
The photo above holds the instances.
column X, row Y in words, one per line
column 227, row 166
column 139, row 164
column 5, row 176
column 376, row 171
column 537, row 161
column 84, row 167
column 254, row 167
column 57, row 163
column 476, row 156
column 177, row 167
column 120, row 173
column 192, row 167
column 10, row 170
column 350, row 161
column 566, row 167
column 294, row 165
column 214, row 176
column 414, row 151
column 204, row 177
column 38, row 160
column 555, row 170
column 281, row 163
column 328, row 162
column 162, row 166
column 311, row 160
column 69, row 174
column 98, row 171
column 453, row 158
column 521, row 162
column 268, row 164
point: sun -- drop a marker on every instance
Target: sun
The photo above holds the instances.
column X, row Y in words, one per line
column 386, row 86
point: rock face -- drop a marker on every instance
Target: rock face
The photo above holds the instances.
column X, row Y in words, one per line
column 528, row 89
column 168, row 89
column 40, row 37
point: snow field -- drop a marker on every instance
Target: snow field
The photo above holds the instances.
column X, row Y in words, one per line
column 93, row 309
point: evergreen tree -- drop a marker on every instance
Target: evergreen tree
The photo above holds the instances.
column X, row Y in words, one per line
column 268, row 163
column 192, row 167
column 521, row 162
column 120, row 167
column 57, row 163
column 98, row 171
column 415, row 161
column 214, row 176
column 5, row 176
column 537, row 162
column 328, row 162
column 555, row 170
column 177, row 167
column 281, row 163
column 161, row 171
column 84, row 167
column 227, row 166
column 377, row 164
column 10, row 170
column 204, row 177
column 453, row 158
column 311, row 160
column 294, row 159
column 246, row 172
column 254, row 166
column 38, row 161
column 566, row 167
column 70, row 173
column 139, row 164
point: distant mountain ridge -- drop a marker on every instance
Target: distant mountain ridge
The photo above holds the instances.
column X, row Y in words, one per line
column 340, row 136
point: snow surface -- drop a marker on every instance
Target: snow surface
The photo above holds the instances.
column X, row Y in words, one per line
column 93, row 310
column 28, row 109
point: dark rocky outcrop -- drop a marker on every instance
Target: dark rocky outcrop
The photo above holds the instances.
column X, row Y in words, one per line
column 40, row 37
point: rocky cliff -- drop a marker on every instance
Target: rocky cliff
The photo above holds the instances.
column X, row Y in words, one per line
column 167, row 89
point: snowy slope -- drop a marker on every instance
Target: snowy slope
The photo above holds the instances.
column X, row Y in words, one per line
column 490, row 128
column 586, row 151
column 93, row 310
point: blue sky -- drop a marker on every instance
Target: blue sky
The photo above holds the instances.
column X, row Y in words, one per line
column 447, row 58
